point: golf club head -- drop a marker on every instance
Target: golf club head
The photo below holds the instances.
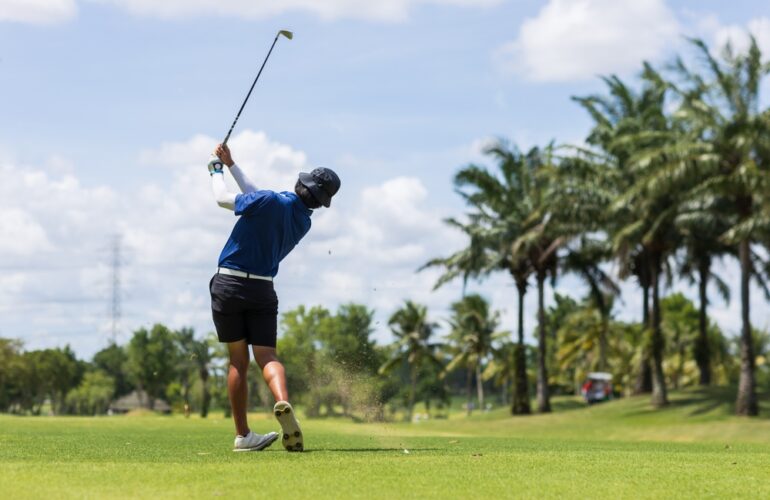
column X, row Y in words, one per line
column 287, row 34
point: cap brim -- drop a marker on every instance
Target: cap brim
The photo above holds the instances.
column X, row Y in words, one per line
column 319, row 194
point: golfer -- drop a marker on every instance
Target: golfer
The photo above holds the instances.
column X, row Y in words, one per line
column 243, row 301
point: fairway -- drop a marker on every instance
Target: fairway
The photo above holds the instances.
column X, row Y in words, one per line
column 620, row 449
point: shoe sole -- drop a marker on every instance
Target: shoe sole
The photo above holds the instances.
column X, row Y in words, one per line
column 260, row 446
column 292, row 434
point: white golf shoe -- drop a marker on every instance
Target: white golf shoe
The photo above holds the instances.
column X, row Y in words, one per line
column 254, row 442
column 292, row 434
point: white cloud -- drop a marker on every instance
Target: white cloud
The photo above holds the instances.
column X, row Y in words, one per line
column 390, row 10
column 577, row 39
column 738, row 35
column 364, row 249
column 37, row 11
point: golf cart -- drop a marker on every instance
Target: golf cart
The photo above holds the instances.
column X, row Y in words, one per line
column 597, row 387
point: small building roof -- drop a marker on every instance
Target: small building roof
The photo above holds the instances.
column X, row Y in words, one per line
column 138, row 399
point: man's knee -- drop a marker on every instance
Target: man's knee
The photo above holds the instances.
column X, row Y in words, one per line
column 240, row 365
column 264, row 355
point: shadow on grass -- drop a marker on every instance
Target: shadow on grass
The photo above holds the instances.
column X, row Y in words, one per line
column 701, row 401
column 566, row 404
column 367, row 450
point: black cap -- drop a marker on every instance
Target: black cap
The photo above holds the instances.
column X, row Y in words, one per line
column 322, row 183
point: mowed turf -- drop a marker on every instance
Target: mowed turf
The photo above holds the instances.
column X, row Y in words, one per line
column 621, row 449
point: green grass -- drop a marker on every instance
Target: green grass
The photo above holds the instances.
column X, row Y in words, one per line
column 694, row 448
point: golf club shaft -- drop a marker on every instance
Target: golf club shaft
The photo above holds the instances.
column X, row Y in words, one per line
column 252, row 88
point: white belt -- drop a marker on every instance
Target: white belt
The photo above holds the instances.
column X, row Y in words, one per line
column 241, row 274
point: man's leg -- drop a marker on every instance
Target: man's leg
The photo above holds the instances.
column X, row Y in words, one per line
column 272, row 371
column 275, row 376
column 237, row 384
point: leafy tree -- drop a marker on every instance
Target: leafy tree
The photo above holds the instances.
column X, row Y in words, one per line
column 347, row 339
column 473, row 330
column 51, row 374
column 93, row 395
column 112, row 361
column 413, row 345
column 501, row 368
column 680, row 325
column 10, row 378
column 194, row 360
column 151, row 361
column 298, row 343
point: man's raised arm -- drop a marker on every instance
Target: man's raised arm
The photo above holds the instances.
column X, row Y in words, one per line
column 246, row 185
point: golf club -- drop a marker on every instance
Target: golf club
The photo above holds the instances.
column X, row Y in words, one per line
column 215, row 163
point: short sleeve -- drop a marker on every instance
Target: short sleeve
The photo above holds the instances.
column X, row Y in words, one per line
column 248, row 203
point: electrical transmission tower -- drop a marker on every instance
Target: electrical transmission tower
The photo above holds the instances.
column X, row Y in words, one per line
column 116, row 264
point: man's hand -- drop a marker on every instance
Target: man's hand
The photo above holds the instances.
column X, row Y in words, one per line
column 223, row 152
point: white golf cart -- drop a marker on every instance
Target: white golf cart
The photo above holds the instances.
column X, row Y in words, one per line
column 597, row 387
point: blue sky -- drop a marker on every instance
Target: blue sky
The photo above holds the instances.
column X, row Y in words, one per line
column 110, row 108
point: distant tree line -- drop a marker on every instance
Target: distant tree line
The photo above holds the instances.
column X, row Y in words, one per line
column 334, row 368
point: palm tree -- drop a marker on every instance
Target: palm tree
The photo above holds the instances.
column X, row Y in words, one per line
column 502, row 367
column 413, row 332
column 584, row 259
column 581, row 347
column 728, row 154
column 606, row 176
column 701, row 223
column 473, row 330
column 498, row 204
column 195, row 358
column 643, row 233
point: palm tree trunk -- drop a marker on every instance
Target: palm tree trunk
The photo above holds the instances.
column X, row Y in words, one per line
column 543, row 400
column 643, row 383
column 479, row 386
column 469, row 389
column 659, row 395
column 603, row 342
column 206, row 395
column 506, row 383
column 702, row 351
column 746, row 403
column 412, row 390
column 520, row 404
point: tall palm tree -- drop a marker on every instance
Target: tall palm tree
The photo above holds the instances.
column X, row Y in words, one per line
column 584, row 259
column 581, row 347
column 502, row 367
column 196, row 356
column 728, row 154
column 473, row 330
column 413, row 332
column 607, row 176
column 498, row 203
column 701, row 223
column 643, row 233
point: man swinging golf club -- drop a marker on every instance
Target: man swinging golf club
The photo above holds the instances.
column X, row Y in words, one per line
column 243, row 302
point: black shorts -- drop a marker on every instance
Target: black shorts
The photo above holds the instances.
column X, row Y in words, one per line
column 244, row 309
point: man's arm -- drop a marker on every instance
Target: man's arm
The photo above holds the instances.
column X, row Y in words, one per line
column 225, row 198
column 246, row 185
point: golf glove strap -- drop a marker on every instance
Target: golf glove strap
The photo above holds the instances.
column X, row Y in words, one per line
column 225, row 199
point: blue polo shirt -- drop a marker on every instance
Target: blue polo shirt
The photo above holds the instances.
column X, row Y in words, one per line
column 270, row 226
